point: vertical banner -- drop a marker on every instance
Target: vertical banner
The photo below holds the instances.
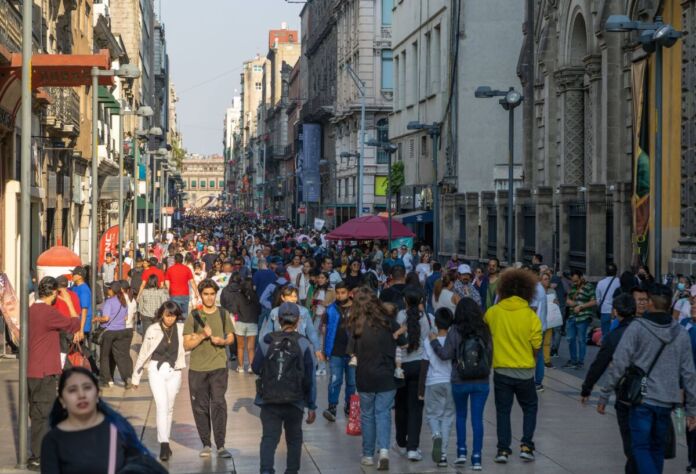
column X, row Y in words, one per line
column 311, row 189
column 108, row 243
column 641, row 164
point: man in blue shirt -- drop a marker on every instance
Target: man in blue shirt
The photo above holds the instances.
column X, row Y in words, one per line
column 85, row 295
column 263, row 277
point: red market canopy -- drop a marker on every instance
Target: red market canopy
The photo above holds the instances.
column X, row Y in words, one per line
column 369, row 228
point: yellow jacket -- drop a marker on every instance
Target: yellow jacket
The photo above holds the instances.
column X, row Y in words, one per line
column 516, row 332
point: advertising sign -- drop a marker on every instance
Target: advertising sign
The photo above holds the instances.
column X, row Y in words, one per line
column 311, row 155
column 108, row 243
column 381, row 185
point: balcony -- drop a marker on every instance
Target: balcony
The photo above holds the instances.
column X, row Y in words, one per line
column 63, row 113
column 10, row 26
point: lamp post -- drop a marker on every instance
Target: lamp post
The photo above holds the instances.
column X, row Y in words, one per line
column 389, row 149
column 434, row 130
column 159, row 155
column 126, row 71
column 153, row 132
column 360, row 84
column 509, row 101
column 653, row 37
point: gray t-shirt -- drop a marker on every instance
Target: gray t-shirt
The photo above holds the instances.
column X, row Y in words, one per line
column 427, row 325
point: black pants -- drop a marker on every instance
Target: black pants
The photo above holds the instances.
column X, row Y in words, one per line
column 42, row 393
column 207, row 390
column 409, row 410
column 506, row 390
column 116, row 344
column 622, row 411
column 275, row 418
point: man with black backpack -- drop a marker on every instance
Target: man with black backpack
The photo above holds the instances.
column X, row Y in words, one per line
column 285, row 365
column 650, row 366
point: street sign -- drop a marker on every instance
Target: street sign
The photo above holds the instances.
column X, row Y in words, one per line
column 365, row 210
column 330, row 212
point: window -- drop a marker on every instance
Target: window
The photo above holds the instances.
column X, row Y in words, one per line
column 221, row 184
column 413, row 67
column 387, row 6
column 258, row 68
column 382, row 136
column 403, row 88
column 387, row 70
column 397, row 90
column 258, row 86
column 202, row 183
column 352, row 185
column 212, row 183
column 193, row 184
column 437, row 46
column 338, row 191
column 428, row 64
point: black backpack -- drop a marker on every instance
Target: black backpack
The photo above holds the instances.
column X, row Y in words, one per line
column 282, row 374
column 473, row 358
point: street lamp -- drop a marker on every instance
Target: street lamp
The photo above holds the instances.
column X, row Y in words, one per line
column 360, row 84
column 434, row 130
column 126, row 71
column 652, row 37
column 510, row 99
column 389, row 149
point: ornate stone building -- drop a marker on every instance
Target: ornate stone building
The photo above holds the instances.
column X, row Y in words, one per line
column 204, row 179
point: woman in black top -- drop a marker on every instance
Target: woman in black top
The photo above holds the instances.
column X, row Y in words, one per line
column 83, row 428
column 354, row 277
column 374, row 346
column 241, row 301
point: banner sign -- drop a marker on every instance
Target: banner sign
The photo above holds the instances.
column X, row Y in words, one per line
column 319, row 224
column 108, row 243
column 397, row 243
column 311, row 154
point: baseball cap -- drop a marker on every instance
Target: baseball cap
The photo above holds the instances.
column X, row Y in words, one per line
column 79, row 271
column 463, row 269
column 288, row 313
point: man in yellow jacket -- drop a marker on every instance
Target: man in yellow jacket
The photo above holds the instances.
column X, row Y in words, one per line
column 517, row 337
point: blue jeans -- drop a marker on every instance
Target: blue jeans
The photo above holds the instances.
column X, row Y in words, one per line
column 338, row 368
column 375, row 420
column 649, row 426
column 605, row 324
column 183, row 302
column 479, row 394
column 576, row 333
column 539, row 371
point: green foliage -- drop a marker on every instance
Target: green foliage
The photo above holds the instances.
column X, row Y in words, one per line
column 178, row 153
column 397, row 178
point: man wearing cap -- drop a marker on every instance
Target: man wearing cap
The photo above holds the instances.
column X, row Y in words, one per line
column 84, row 293
column 109, row 269
column 463, row 287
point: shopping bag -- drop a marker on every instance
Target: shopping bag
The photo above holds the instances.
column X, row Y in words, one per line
column 353, row 426
column 77, row 357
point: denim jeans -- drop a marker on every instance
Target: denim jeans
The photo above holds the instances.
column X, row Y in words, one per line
column 183, row 302
column 576, row 333
column 338, row 369
column 506, row 389
column 539, row 371
column 478, row 392
column 375, row 420
column 605, row 324
column 649, row 426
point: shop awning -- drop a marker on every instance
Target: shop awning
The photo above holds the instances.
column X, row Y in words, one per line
column 415, row 217
column 108, row 99
column 141, row 203
column 109, row 189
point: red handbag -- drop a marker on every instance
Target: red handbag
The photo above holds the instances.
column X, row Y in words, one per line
column 353, row 426
column 77, row 358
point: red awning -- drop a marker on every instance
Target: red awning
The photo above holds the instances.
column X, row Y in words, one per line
column 369, row 228
column 63, row 70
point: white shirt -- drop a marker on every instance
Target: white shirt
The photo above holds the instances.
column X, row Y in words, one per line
column 684, row 307
column 293, row 272
column 603, row 289
column 439, row 371
column 445, row 300
column 423, row 270
column 426, row 327
column 407, row 258
column 540, row 305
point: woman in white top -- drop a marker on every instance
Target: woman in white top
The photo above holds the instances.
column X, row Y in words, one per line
column 443, row 294
column 423, row 269
column 132, row 304
column 163, row 354
column 295, row 268
column 303, row 282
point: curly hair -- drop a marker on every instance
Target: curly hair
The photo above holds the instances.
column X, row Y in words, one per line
column 367, row 309
column 517, row 282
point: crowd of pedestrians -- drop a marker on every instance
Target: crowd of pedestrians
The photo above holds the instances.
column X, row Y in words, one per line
column 408, row 340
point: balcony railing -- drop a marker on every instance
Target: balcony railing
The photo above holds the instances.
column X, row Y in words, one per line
column 63, row 113
column 10, row 26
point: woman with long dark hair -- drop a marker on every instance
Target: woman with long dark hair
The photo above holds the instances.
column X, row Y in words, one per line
column 116, row 339
column 444, row 295
column 409, row 409
column 83, row 428
column 162, row 352
column 241, row 301
column 374, row 344
column 468, row 328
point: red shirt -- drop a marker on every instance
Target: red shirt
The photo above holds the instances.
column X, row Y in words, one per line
column 45, row 324
column 62, row 307
column 154, row 271
column 178, row 276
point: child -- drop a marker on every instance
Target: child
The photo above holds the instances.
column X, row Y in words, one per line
column 283, row 392
column 436, row 388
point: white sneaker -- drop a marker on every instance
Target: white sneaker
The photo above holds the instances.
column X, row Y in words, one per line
column 367, row 461
column 249, row 371
column 415, row 455
column 240, row 369
column 399, row 449
column 383, row 463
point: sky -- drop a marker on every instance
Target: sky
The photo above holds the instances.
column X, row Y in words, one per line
column 207, row 42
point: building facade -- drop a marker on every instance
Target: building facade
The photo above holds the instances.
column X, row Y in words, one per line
column 203, row 180
column 250, row 151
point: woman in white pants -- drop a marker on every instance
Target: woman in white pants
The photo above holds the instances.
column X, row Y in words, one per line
column 162, row 352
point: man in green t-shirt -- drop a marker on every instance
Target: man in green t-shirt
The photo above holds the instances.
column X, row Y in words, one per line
column 581, row 302
column 207, row 332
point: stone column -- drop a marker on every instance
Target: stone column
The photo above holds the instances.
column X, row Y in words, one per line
column 571, row 91
column 522, row 199
column 545, row 223
column 623, row 225
column 449, row 226
column 593, row 118
column 487, row 200
column 568, row 194
column 501, row 203
column 596, row 229
column 473, row 239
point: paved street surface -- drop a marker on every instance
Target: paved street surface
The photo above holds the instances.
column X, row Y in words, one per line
column 570, row 438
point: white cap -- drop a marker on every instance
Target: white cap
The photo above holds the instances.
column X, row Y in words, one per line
column 464, row 269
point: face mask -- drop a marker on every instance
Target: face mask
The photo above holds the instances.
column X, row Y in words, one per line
column 681, row 286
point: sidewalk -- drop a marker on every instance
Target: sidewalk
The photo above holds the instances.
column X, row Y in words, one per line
column 570, row 438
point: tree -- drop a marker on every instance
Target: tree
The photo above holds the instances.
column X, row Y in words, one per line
column 396, row 182
column 178, row 153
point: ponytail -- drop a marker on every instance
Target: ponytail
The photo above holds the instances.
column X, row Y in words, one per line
column 413, row 297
